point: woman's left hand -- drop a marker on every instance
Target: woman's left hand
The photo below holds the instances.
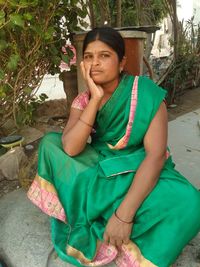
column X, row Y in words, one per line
column 117, row 233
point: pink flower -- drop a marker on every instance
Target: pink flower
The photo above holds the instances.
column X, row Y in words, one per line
column 64, row 66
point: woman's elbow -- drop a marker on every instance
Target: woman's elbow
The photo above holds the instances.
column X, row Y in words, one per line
column 70, row 151
column 68, row 148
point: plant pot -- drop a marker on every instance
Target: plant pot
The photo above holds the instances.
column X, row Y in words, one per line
column 70, row 85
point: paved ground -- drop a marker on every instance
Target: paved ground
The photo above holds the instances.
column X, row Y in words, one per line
column 24, row 230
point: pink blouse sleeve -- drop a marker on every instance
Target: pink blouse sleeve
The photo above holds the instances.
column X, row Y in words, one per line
column 81, row 101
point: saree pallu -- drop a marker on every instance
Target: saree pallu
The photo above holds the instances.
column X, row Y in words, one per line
column 81, row 193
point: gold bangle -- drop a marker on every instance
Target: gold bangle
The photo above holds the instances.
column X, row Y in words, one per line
column 120, row 220
column 85, row 123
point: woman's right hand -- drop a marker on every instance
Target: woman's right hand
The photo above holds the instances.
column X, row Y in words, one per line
column 96, row 91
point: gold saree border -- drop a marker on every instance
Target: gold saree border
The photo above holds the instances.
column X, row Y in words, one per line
column 44, row 184
column 130, row 255
column 108, row 252
column 71, row 251
column 132, row 249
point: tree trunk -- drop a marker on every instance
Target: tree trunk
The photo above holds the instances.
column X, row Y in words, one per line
column 147, row 52
column 138, row 8
column 91, row 14
column 175, row 30
column 119, row 13
column 105, row 12
column 175, row 26
column 70, row 85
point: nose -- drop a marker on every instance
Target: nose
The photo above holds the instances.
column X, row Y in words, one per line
column 95, row 60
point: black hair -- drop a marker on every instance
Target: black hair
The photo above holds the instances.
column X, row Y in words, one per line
column 109, row 36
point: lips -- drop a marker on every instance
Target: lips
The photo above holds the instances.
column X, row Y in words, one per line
column 95, row 72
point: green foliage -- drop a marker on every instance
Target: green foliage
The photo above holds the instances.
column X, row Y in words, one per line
column 186, row 66
column 25, row 113
column 145, row 13
column 32, row 33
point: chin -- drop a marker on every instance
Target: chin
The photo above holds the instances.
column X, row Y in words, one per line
column 97, row 80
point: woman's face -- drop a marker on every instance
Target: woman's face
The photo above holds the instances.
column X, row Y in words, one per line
column 104, row 61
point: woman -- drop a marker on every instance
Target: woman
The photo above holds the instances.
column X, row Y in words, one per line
column 118, row 198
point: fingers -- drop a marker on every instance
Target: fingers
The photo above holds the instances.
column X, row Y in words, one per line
column 126, row 241
column 113, row 241
column 82, row 69
column 106, row 238
column 118, row 243
column 85, row 69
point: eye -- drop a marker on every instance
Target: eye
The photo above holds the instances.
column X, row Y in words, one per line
column 87, row 57
column 105, row 55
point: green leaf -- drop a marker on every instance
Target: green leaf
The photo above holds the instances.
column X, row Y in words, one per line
column 37, row 29
column 13, row 61
column 2, row 74
column 65, row 58
column 43, row 97
column 23, row 2
column 28, row 16
column 2, row 17
column 54, row 50
column 17, row 20
column 48, row 35
column 27, row 90
column 13, row 3
column 2, row 94
column 56, row 60
column 3, row 45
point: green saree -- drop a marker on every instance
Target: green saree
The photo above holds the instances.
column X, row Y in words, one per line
column 81, row 193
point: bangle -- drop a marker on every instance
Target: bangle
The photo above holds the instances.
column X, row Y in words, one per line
column 120, row 220
column 85, row 123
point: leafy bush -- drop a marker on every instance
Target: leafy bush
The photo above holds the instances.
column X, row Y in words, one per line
column 32, row 33
column 184, row 72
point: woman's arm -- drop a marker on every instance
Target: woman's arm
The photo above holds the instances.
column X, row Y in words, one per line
column 146, row 177
column 155, row 144
column 79, row 126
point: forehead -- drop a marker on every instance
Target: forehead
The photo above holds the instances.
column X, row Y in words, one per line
column 98, row 46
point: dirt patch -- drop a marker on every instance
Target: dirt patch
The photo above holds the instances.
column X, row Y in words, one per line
column 51, row 108
column 187, row 102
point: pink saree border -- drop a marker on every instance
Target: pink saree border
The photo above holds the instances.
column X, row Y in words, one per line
column 43, row 195
column 122, row 143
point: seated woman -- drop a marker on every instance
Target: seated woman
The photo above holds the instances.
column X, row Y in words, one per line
column 118, row 198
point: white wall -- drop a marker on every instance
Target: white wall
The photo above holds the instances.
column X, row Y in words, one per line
column 52, row 87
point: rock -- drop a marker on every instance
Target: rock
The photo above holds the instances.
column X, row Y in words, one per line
column 11, row 162
column 30, row 134
column 190, row 255
column 29, row 170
